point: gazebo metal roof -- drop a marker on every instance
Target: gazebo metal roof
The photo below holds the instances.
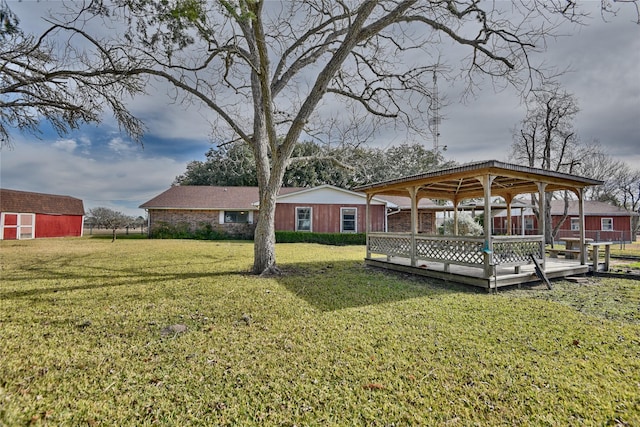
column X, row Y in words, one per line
column 462, row 182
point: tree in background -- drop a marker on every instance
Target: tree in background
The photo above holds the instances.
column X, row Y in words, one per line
column 110, row 219
column 273, row 71
column 546, row 139
column 315, row 165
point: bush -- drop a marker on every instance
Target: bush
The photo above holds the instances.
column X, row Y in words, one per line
column 335, row 239
column 165, row 230
column 467, row 226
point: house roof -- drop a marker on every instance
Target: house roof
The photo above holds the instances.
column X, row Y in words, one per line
column 330, row 194
column 405, row 202
column 591, row 207
column 208, row 197
column 28, row 202
column 464, row 182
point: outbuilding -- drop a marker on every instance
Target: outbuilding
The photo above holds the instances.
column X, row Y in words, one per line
column 27, row 215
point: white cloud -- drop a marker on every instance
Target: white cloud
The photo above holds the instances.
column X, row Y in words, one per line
column 122, row 185
column 120, row 146
column 68, row 145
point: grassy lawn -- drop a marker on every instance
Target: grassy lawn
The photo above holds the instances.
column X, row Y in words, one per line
column 84, row 340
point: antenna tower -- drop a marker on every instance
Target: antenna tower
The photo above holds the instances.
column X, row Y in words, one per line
column 435, row 119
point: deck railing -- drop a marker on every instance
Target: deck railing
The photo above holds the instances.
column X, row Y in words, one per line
column 459, row 250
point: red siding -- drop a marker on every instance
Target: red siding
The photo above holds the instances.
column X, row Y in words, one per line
column 58, row 225
column 326, row 218
column 592, row 226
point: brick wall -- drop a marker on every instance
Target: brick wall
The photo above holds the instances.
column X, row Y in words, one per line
column 401, row 222
column 195, row 219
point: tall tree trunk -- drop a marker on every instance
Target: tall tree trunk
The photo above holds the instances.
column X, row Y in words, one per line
column 264, row 248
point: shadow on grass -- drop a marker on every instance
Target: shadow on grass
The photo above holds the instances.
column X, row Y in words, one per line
column 102, row 278
column 349, row 284
column 327, row 286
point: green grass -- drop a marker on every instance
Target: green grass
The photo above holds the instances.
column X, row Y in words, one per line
column 330, row 342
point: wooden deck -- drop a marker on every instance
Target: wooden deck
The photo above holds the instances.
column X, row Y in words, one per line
column 505, row 276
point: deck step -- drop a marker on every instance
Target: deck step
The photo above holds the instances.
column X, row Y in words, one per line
column 577, row 279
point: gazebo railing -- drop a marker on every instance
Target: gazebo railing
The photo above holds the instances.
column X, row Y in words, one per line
column 458, row 250
column 517, row 250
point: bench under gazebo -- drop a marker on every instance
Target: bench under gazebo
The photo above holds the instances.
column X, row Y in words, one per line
column 488, row 261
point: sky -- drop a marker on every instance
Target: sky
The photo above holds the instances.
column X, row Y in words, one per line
column 102, row 166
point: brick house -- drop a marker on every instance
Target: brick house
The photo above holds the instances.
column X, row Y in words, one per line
column 235, row 210
column 399, row 218
column 28, row 215
column 602, row 221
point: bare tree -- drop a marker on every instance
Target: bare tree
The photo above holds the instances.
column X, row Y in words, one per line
column 54, row 77
column 110, row 219
column 270, row 71
column 546, row 139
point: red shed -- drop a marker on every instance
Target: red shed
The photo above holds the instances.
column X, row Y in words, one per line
column 26, row 215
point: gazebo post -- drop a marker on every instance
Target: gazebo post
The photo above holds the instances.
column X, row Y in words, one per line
column 368, row 223
column 488, row 243
column 583, row 249
column 542, row 207
column 455, row 216
column 508, row 198
column 413, row 193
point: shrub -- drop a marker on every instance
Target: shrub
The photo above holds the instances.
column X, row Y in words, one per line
column 336, row 239
column 467, row 226
column 206, row 231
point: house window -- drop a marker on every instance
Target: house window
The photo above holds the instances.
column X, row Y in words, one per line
column 348, row 222
column 575, row 224
column 303, row 219
column 528, row 223
column 606, row 224
column 236, row 217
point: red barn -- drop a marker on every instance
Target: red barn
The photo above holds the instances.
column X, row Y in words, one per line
column 26, row 215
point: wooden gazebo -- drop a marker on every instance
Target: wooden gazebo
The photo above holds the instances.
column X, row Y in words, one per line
column 487, row 261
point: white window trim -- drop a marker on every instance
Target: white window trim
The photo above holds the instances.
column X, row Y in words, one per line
column 310, row 230
column 18, row 226
column 342, row 219
column 602, row 224
column 221, row 216
column 575, row 220
column 528, row 223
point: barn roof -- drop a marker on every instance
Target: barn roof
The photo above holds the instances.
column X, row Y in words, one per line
column 208, row 197
column 28, row 202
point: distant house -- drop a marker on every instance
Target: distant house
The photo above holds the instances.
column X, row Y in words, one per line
column 27, row 215
column 235, row 210
column 399, row 218
column 603, row 221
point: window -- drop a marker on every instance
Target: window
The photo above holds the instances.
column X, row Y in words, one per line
column 231, row 217
column 303, row 219
column 348, row 222
column 528, row 223
column 575, row 224
column 607, row 224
